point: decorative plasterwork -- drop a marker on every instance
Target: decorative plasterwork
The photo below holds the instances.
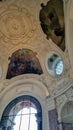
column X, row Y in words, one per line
column 21, row 80
column 53, row 88
column 22, row 86
column 20, row 28
column 69, row 93
column 61, row 100
column 61, row 86
column 16, row 25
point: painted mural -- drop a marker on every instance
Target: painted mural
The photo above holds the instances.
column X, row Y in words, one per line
column 52, row 22
column 23, row 61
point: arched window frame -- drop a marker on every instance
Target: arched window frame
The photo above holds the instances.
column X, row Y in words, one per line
column 5, row 115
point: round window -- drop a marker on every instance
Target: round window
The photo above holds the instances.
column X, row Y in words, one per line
column 55, row 65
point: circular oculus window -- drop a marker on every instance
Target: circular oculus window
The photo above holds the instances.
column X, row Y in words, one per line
column 55, row 65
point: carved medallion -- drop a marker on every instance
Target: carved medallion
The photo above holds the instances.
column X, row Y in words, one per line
column 17, row 24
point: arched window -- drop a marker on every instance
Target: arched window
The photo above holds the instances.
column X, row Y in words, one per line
column 23, row 112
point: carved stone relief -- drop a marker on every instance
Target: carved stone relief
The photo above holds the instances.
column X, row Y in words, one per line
column 69, row 93
column 61, row 86
column 52, row 22
column 16, row 24
column 18, row 28
column 63, row 99
column 60, row 100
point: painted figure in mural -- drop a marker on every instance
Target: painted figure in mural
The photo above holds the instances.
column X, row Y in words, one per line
column 23, row 61
column 52, row 22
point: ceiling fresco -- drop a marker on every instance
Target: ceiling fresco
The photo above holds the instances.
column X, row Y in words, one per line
column 52, row 22
column 23, row 61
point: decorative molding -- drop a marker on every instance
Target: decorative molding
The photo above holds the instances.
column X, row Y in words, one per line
column 63, row 99
column 60, row 100
column 62, row 85
column 50, row 104
column 16, row 25
column 23, row 81
column 69, row 93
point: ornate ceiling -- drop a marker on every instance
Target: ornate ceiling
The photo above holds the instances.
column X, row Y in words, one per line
column 20, row 28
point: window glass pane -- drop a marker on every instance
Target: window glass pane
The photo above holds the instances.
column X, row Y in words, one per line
column 26, row 119
column 59, row 67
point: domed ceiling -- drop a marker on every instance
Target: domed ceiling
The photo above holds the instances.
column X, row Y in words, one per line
column 24, row 25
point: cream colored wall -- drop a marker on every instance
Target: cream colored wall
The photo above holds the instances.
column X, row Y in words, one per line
column 20, row 28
